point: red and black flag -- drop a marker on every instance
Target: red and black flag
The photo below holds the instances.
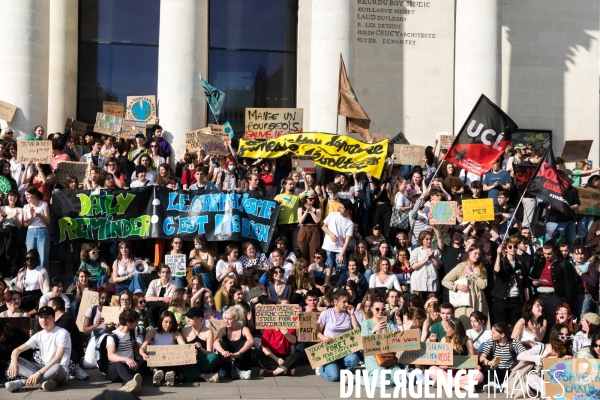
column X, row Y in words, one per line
column 482, row 139
column 523, row 174
column 548, row 186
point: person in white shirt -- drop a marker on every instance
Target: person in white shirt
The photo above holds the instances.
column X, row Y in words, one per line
column 478, row 334
column 146, row 161
column 140, row 174
column 55, row 352
column 57, row 286
column 338, row 228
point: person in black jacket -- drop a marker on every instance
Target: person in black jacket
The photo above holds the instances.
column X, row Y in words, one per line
column 510, row 288
column 553, row 278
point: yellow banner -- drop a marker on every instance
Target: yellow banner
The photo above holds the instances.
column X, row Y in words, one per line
column 336, row 152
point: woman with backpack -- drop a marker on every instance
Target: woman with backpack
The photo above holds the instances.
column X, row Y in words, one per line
column 500, row 354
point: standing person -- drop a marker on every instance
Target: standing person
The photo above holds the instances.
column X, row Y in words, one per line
column 165, row 147
column 201, row 183
column 94, row 158
column 383, row 205
column 38, row 133
column 287, row 223
column 495, row 181
column 309, row 217
column 587, row 298
column 156, row 154
column 138, row 149
column 17, row 170
column 122, row 366
column 36, row 218
column 232, row 344
column 530, row 211
column 11, row 220
column 425, row 263
column 55, row 352
column 451, row 255
column 207, row 362
column 339, row 229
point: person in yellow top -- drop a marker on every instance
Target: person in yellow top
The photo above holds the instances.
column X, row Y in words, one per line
column 288, row 214
column 333, row 203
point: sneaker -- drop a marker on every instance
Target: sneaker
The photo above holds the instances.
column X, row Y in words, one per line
column 222, row 373
column 211, row 378
column 170, row 378
column 49, row 386
column 245, row 374
column 318, row 371
column 13, row 386
column 157, row 378
column 138, row 380
column 265, row 372
column 129, row 387
column 79, row 373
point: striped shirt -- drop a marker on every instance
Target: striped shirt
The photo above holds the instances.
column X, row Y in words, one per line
column 506, row 359
column 126, row 345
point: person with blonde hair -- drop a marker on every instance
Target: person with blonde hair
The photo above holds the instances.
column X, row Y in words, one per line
column 300, row 281
column 223, row 293
column 233, row 343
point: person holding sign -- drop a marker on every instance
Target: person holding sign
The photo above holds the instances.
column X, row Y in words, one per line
column 333, row 322
column 276, row 356
column 233, row 344
column 207, row 362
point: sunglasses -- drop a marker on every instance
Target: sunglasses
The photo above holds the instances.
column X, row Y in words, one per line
column 511, row 247
column 567, row 337
column 142, row 302
column 310, row 198
column 94, row 252
column 597, row 345
column 30, row 258
column 317, row 257
column 379, row 309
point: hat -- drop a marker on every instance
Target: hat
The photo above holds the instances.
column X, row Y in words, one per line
column 195, row 312
column 140, row 168
column 559, row 160
column 376, row 226
column 592, row 318
column 520, row 146
column 50, row 311
column 140, row 133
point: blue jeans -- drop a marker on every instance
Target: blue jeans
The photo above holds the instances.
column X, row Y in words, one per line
column 331, row 371
column 583, row 305
column 39, row 239
column 134, row 285
column 567, row 230
column 332, row 262
column 208, row 280
column 368, row 273
column 181, row 282
column 583, row 227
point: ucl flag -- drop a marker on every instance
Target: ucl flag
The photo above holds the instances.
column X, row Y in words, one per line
column 214, row 96
column 482, row 139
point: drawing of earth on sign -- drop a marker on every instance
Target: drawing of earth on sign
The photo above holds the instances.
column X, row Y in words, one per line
column 5, row 185
column 442, row 212
column 141, row 110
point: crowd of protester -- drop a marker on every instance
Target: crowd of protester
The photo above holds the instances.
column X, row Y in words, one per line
column 520, row 287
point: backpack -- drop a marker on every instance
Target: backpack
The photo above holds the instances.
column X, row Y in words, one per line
column 103, row 353
column 511, row 349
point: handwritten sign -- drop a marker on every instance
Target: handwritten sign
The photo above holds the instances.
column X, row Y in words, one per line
column 7, row 111
column 66, row 168
column 220, row 131
column 113, row 108
column 465, row 362
column 24, row 324
column 446, row 141
column 107, row 124
column 215, row 325
column 131, row 127
column 269, row 123
column 575, row 378
column 590, row 201
column 202, row 139
column 304, row 163
column 273, row 316
column 34, row 151
column 442, row 212
column 111, row 314
column 339, row 347
column 409, row 154
column 307, row 326
column 177, row 263
column 76, row 126
column 576, row 150
column 429, row 354
column 166, row 356
column 478, row 210
column 141, row 108
column 391, row 342
column 89, row 298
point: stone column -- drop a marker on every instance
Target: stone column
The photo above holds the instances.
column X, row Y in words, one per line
column 182, row 55
column 24, row 34
column 62, row 82
column 330, row 36
column 478, row 55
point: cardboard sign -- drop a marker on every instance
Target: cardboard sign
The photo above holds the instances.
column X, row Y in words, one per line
column 446, row 141
column 465, row 362
column 442, row 213
column 307, row 326
column 176, row 354
column 429, row 354
column 304, row 163
column 7, row 111
column 141, row 108
column 76, row 126
column 573, row 378
column 66, row 168
column 379, row 137
column 34, row 151
column 220, row 131
column 576, row 150
column 107, row 124
column 269, row 123
column 111, row 314
column 24, row 324
column 215, row 325
column 177, row 263
column 89, row 298
column 113, row 108
column 380, row 343
column 273, row 316
column 590, row 201
column 409, row 154
column 202, row 138
column 478, row 210
column 339, row 347
column 131, row 127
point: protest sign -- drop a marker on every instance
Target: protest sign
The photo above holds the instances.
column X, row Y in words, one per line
column 590, row 201
column 391, row 342
column 113, row 108
column 220, row 131
column 336, row 152
column 177, row 263
column 158, row 212
column 89, row 298
column 111, row 314
column 578, row 378
column 171, row 355
column 307, row 326
column 66, row 168
column 202, row 139
column 24, row 324
column 107, row 124
column 141, row 108
column 7, row 111
column 442, row 212
column 576, row 150
column 215, row 325
column 478, row 210
column 339, row 347
column 431, row 353
column 34, row 151
column 409, row 154
column 132, row 127
column 304, row 164
column 270, row 123
column 274, row 316
column 446, row 141
column 465, row 362
column 76, row 126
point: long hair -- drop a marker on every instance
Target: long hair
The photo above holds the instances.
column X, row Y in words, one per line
column 527, row 313
column 127, row 245
column 163, row 315
column 248, row 277
column 169, row 175
column 479, row 266
column 558, row 346
column 232, row 291
column 368, row 313
column 177, row 299
column 459, row 334
column 378, row 265
column 298, row 279
column 228, row 250
column 570, row 324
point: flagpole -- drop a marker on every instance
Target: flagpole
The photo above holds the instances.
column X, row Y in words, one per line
column 513, row 216
column 337, row 115
column 213, row 113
